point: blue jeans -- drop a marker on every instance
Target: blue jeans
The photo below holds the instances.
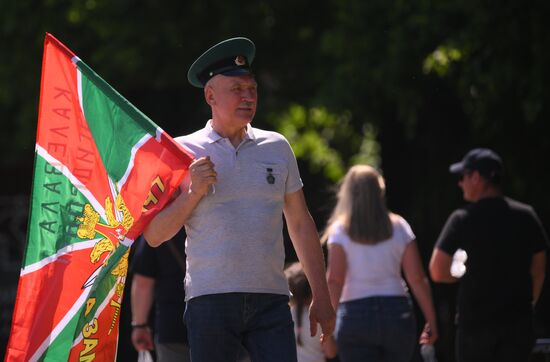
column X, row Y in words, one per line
column 376, row 329
column 219, row 324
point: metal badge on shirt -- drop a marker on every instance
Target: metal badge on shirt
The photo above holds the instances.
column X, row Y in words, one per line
column 270, row 178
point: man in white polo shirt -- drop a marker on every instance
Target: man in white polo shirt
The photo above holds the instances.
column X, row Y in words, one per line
column 241, row 182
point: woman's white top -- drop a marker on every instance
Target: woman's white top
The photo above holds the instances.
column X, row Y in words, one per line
column 374, row 270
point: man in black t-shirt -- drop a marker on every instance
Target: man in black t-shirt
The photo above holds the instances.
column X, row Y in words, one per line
column 158, row 278
column 505, row 245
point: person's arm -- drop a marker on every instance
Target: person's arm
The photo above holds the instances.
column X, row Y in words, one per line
column 142, row 301
column 336, row 275
column 420, row 287
column 171, row 219
column 305, row 239
column 440, row 267
column 336, row 272
column 329, row 347
column 538, row 269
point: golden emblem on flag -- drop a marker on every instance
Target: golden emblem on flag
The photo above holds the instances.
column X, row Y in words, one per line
column 113, row 233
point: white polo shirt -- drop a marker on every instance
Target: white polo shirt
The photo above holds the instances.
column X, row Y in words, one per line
column 234, row 236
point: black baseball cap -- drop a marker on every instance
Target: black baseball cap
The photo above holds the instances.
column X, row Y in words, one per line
column 483, row 160
column 231, row 57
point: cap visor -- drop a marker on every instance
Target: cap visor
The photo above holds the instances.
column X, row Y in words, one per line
column 236, row 72
column 456, row 167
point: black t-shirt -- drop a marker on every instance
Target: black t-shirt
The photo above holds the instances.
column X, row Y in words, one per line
column 500, row 236
column 161, row 264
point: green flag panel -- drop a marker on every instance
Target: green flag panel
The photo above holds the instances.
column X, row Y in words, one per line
column 56, row 203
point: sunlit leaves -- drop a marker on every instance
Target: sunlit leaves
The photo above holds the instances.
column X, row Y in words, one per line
column 320, row 138
column 441, row 59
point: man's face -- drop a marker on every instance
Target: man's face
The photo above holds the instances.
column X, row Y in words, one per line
column 233, row 99
column 468, row 181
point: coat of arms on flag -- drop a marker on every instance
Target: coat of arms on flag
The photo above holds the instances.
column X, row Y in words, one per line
column 102, row 171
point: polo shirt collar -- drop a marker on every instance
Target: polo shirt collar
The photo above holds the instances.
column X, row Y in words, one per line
column 214, row 136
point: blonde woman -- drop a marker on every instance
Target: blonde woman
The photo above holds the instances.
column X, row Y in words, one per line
column 368, row 248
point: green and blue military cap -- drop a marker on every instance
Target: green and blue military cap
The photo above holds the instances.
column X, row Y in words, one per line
column 231, row 57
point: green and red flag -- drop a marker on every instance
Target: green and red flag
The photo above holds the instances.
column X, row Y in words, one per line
column 102, row 171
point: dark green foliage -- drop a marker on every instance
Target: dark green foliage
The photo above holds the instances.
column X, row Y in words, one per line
column 431, row 79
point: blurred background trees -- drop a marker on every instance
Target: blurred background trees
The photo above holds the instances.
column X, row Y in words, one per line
column 406, row 86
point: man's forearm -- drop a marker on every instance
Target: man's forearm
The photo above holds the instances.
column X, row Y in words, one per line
column 308, row 248
column 142, row 298
column 310, row 254
column 305, row 239
column 171, row 219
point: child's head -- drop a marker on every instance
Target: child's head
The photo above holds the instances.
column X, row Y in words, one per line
column 298, row 284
